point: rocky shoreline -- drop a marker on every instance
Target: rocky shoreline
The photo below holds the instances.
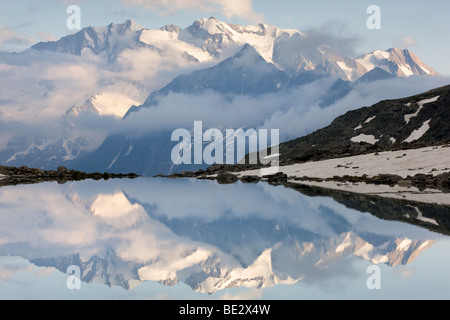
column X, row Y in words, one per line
column 228, row 174
column 25, row 175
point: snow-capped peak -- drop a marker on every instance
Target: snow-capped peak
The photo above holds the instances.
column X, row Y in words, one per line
column 402, row 63
column 209, row 39
column 212, row 25
column 132, row 25
column 215, row 36
column 110, row 40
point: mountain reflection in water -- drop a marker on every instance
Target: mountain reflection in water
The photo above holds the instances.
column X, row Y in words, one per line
column 209, row 236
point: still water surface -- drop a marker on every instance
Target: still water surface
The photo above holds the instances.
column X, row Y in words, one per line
column 154, row 238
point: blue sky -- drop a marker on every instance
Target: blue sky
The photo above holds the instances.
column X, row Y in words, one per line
column 417, row 25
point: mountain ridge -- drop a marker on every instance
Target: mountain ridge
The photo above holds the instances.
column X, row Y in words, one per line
column 211, row 39
column 376, row 128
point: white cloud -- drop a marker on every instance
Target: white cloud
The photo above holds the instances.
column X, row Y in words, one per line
column 10, row 40
column 45, row 36
column 229, row 8
column 405, row 42
column 296, row 112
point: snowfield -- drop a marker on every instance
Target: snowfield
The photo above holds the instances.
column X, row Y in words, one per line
column 429, row 160
column 402, row 163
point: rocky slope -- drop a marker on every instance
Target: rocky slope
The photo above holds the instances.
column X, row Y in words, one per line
column 411, row 122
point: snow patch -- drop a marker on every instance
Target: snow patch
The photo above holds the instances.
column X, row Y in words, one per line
column 28, row 150
column 272, row 156
column 425, row 70
column 345, row 244
column 380, row 259
column 421, row 104
column 370, row 119
column 113, row 104
column 418, row 133
column 424, row 219
column 170, row 42
column 365, row 138
column 404, row 245
column 381, row 54
column 167, row 270
column 344, row 67
column 406, row 70
column 365, row 122
column 373, row 60
column 114, row 160
column 129, row 150
column 364, row 251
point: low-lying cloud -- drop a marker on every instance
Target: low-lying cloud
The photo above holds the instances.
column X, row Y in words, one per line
column 295, row 113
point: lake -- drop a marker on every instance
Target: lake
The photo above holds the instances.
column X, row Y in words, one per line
column 152, row 238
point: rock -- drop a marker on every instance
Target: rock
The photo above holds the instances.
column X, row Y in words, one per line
column 251, row 179
column 218, row 168
column 405, row 183
column 389, row 179
column 188, row 174
column 279, row 177
column 421, row 177
column 226, row 178
column 62, row 169
column 445, row 185
column 199, row 172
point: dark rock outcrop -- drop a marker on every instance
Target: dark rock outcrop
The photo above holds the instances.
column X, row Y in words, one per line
column 25, row 175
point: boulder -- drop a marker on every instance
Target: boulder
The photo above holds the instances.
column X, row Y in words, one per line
column 226, row 178
column 251, row 179
column 62, row 169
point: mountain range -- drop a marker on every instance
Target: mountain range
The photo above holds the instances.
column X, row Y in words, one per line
column 208, row 56
column 210, row 275
column 210, row 39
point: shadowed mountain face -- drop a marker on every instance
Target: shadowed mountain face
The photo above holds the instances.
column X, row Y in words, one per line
column 420, row 120
column 246, row 73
